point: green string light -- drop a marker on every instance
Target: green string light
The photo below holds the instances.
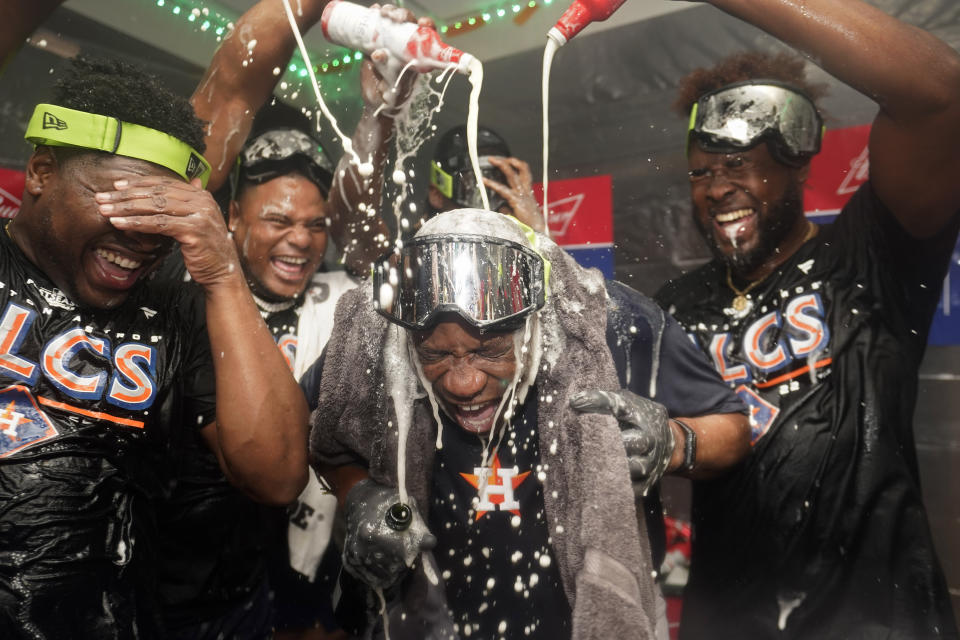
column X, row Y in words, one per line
column 206, row 17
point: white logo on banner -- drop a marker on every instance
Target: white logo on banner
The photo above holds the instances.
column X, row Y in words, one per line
column 858, row 174
column 9, row 204
column 562, row 211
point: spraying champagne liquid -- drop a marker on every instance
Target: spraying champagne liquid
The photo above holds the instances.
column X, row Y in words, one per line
column 473, row 117
column 364, row 168
column 577, row 16
column 548, row 53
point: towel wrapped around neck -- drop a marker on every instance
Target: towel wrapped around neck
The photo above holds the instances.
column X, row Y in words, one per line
column 604, row 560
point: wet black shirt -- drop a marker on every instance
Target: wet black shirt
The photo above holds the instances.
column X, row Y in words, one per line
column 501, row 577
column 87, row 405
column 822, row 533
column 215, row 539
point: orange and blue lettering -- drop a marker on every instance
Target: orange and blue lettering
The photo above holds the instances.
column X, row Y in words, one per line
column 288, row 347
column 56, row 358
column 718, row 352
column 805, row 313
column 134, row 379
column 764, row 360
column 14, row 328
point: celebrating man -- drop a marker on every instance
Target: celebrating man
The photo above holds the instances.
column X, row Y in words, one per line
column 822, row 533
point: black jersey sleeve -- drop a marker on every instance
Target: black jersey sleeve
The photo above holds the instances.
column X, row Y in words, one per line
column 657, row 360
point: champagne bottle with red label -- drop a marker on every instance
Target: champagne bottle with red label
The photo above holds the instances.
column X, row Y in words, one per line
column 578, row 15
column 365, row 29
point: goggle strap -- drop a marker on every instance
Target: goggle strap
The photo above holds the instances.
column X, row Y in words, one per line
column 692, row 125
column 535, row 245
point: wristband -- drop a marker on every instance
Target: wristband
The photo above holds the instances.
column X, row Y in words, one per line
column 689, row 447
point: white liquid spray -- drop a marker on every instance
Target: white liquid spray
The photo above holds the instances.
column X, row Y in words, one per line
column 364, row 168
column 473, row 117
column 548, row 52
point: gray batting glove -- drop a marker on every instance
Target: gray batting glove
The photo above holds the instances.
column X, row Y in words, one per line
column 374, row 551
column 645, row 429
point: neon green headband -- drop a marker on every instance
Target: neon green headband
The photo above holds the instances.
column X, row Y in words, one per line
column 61, row 127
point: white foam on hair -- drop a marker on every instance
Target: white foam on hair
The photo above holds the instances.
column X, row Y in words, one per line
column 475, row 221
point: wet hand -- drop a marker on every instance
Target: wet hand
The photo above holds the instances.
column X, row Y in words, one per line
column 645, row 428
column 183, row 211
column 518, row 192
column 380, row 89
column 394, row 93
column 373, row 551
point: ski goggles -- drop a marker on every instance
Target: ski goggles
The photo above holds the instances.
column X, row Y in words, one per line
column 461, row 186
column 488, row 282
column 741, row 115
column 281, row 151
column 56, row 126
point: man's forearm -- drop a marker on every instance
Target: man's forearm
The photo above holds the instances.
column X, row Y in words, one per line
column 722, row 440
column 261, row 412
column 354, row 202
column 342, row 479
column 240, row 78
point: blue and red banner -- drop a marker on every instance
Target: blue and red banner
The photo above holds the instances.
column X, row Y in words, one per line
column 581, row 219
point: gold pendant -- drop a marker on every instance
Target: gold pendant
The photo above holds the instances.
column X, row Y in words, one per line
column 740, row 303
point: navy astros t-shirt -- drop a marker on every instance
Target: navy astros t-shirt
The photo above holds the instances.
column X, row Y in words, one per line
column 493, row 541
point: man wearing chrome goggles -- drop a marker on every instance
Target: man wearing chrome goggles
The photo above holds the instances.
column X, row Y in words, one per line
column 480, row 377
column 821, row 329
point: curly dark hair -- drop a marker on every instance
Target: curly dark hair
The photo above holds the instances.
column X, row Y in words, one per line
column 121, row 90
column 747, row 65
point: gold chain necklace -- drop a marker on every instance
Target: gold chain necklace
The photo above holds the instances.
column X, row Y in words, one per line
column 740, row 301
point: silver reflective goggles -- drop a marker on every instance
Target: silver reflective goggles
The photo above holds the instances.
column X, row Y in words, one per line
column 741, row 115
column 487, row 281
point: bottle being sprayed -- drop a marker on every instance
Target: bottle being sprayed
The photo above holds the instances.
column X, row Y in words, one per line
column 365, row 29
column 578, row 15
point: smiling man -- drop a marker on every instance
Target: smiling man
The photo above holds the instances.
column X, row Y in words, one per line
column 226, row 568
column 104, row 369
column 820, row 329
column 482, row 388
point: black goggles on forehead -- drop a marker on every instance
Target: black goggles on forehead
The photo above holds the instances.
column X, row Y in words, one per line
column 282, row 151
column 742, row 115
column 489, row 282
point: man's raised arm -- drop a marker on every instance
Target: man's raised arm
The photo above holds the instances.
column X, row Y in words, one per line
column 914, row 78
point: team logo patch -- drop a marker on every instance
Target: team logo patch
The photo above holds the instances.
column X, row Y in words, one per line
column 22, row 423
column 495, row 486
column 762, row 413
column 51, row 121
column 194, row 166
